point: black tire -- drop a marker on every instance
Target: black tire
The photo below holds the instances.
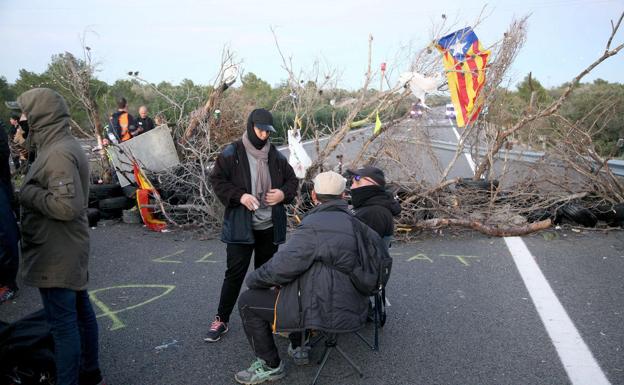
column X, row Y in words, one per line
column 110, row 214
column 129, row 191
column 578, row 214
column 104, row 191
column 481, row 184
column 117, row 203
column 93, row 216
column 538, row 215
column 605, row 213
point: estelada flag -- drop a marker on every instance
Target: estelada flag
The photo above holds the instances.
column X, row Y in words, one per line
column 464, row 61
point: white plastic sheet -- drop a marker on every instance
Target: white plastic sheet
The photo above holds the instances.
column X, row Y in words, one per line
column 299, row 158
column 420, row 85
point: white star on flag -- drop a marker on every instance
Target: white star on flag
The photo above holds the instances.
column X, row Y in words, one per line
column 457, row 48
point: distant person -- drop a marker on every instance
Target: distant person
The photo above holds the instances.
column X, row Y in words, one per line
column 13, row 142
column 143, row 123
column 254, row 181
column 159, row 120
column 123, row 124
column 9, row 234
column 55, row 236
column 372, row 204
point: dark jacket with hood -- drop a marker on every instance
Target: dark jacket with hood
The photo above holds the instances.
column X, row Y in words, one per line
column 231, row 178
column 375, row 206
column 315, row 293
column 54, row 196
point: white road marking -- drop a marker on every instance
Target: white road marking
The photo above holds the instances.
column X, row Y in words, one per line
column 577, row 359
column 471, row 162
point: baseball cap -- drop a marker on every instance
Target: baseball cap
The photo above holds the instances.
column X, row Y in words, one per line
column 262, row 119
column 329, row 183
column 370, row 172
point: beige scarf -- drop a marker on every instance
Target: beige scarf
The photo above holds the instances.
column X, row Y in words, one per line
column 263, row 178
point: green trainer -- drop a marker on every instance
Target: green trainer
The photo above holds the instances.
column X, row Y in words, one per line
column 259, row 372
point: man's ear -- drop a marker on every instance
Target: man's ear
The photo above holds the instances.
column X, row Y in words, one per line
column 314, row 198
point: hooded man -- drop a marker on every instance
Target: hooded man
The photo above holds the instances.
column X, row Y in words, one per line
column 253, row 181
column 55, row 236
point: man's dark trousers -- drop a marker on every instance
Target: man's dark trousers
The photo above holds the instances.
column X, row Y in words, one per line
column 257, row 310
column 9, row 236
column 75, row 333
column 238, row 259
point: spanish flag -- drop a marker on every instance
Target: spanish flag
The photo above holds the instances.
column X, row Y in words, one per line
column 465, row 62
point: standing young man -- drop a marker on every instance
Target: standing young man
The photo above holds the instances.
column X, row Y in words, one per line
column 55, row 236
column 254, row 181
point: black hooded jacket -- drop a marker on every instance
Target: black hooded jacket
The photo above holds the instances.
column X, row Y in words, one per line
column 375, row 206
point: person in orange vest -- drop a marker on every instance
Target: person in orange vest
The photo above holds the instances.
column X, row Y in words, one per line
column 123, row 124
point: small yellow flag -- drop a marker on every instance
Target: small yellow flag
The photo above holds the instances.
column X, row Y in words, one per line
column 377, row 125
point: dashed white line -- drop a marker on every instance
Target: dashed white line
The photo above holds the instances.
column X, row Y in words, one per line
column 577, row 359
column 471, row 162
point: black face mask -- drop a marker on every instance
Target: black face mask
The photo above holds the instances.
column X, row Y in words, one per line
column 24, row 125
column 253, row 138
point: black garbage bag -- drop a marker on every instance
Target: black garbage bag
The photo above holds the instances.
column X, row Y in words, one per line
column 27, row 351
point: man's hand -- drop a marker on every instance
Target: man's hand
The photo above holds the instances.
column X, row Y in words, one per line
column 274, row 196
column 250, row 202
column 105, row 142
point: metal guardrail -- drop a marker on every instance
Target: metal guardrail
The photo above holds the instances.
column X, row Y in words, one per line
column 616, row 166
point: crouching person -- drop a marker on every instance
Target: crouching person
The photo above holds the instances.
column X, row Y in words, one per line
column 303, row 286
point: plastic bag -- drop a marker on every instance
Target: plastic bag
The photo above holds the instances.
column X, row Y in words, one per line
column 298, row 159
column 420, row 85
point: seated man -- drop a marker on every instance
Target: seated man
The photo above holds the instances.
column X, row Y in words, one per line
column 309, row 291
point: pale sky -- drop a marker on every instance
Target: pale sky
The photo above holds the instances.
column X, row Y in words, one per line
column 174, row 40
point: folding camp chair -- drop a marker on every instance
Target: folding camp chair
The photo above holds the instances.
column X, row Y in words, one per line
column 331, row 343
column 379, row 319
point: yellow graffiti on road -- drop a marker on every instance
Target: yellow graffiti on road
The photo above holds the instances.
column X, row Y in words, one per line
column 112, row 314
column 205, row 259
column 164, row 260
column 461, row 258
column 420, row 257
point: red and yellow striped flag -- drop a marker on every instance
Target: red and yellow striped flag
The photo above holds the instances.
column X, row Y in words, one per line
column 465, row 62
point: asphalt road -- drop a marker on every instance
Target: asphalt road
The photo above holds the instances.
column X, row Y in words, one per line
column 464, row 309
column 459, row 311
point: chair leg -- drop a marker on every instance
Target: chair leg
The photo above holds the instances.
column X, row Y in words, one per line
column 357, row 368
column 322, row 362
column 331, row 343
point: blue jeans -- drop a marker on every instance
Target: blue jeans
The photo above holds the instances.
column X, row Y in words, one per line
column 75, row 333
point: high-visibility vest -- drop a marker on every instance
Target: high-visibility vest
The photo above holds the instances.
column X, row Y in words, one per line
column 124, row 123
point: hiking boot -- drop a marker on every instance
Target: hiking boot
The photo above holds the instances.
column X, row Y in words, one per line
column 7, row 294
column 300, row 355
column 217, row 330
column 260, row 372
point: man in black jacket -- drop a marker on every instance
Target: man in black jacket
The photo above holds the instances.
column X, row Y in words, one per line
column 254, row 181
column 372, row 204
column 143, row 123
column 9, row 234
column 304, row 286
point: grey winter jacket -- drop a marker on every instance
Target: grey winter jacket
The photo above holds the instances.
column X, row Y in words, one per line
column 54, row 196
column 313, row 293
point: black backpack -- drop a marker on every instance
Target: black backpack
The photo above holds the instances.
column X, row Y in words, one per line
column 374, row 264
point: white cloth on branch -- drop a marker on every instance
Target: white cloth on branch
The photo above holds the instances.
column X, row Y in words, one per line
column 419, row 84
column 298, row 159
